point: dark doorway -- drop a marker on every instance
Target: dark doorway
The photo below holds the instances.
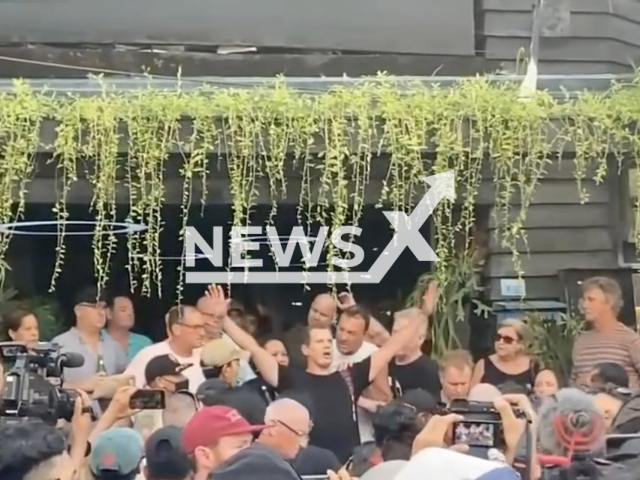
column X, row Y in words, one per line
column 288, row 303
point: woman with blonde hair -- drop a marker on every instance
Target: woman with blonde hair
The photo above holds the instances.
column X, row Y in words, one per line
column 511, row 361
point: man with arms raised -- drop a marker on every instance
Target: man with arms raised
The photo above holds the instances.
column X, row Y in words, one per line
column 213, row 331
column 350, row 347
column 334, row 394
column 411, row 369
column 322, row 313
column 185, row 326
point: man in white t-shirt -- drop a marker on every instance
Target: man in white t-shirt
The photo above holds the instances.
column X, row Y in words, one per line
column 185, row 326
column 350, row 347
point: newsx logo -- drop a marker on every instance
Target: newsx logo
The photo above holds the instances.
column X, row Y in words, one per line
column 407, row 234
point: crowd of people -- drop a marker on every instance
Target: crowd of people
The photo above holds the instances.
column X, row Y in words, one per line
column 340, row 396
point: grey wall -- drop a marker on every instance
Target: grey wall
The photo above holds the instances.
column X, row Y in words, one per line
column 401, row 26
column 562, row 233
column 586, row 36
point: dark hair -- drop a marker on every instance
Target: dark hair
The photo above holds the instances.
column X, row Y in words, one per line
column 247, row 402
column 307, row 332
column 512, row 388
column 111, row 299
column 24, row 446
column 210, row 390
column 357, row 311
column 262, row 341
column 609, row 372
column 168, row 463
column 12, row 319
column 364, row 458
column 110, row 475
column 395, row 427
column 211, row 373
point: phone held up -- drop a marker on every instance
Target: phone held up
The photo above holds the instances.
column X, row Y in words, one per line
column 147, row 400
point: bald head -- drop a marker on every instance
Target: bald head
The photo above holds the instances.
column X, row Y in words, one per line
column 178, row 410
column 288, row 429
column 323, row 311
column 484, row 392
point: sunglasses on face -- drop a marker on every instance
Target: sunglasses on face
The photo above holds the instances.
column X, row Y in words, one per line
column 505, row 339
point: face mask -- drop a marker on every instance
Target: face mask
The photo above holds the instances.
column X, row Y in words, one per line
column 182, row 385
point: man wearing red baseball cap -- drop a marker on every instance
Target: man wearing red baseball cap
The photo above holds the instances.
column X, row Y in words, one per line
column 215, row 434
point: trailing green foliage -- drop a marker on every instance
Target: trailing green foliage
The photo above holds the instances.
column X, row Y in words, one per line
column 552, row 342
column 334, row 136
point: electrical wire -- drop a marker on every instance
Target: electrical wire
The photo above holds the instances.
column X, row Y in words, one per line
column 148, row 76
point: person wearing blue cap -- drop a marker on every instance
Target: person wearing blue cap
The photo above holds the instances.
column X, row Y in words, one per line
column 116, row 454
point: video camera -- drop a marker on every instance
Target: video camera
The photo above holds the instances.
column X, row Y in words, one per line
column 482, row 424
column 33, row 383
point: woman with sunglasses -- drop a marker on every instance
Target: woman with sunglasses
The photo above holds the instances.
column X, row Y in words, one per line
column 511, row 362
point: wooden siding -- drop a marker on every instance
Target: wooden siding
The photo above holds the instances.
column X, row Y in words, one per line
column 589, row 36
column 562, row 233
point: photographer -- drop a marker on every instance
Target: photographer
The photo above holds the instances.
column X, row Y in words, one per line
column 32, row 450
column 433, row 452
column 571, row 436
column 395, row 427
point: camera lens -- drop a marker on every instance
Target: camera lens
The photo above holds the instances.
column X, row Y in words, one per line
column 65, row 403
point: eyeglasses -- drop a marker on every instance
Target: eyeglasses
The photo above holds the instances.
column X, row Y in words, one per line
column 506, row 339
column 193, row 327
column 298, row 433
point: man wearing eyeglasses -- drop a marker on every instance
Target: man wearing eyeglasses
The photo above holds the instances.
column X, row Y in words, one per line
column 102, row 355
column 289, row 425
column 186, row 327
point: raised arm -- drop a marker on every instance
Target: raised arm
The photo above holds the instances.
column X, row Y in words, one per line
column 216, row 305
column 381, row 358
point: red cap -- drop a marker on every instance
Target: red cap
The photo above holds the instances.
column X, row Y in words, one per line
column 210, row 424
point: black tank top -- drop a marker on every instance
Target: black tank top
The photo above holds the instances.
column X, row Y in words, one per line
column 496, row 377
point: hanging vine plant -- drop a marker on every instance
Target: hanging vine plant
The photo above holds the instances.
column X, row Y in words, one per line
column 333, row 138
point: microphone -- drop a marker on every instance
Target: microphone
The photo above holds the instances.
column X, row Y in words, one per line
column 71, row 360
column 569, row 423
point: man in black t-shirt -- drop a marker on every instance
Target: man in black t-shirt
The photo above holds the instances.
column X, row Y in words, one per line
column 411, row 369
column 334, row 394
column 322, row 313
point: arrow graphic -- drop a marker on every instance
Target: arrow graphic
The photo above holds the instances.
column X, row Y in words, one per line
column 407, row 234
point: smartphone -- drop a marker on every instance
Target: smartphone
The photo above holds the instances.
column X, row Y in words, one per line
column 147, row 400
column 476, row 434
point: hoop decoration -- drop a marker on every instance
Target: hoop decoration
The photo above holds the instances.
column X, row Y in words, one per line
column 176, row 258
column 23, row 228
column 265, row 239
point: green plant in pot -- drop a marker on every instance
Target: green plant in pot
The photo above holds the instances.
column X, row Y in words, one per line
column 552, row 341
column 459, row 290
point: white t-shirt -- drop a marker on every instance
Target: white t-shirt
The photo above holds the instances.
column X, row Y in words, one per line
column 139, row 363
column 364, row 417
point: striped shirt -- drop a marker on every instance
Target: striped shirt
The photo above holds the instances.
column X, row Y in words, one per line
column 621, row 346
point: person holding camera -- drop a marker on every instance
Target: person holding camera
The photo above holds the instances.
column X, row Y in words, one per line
column 33, row 450
column 571, row 433
column 334, row 394
column 433, row 451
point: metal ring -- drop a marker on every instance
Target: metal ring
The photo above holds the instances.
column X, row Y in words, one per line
column 119, row 228
column 265, row 240
column 196, row 256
